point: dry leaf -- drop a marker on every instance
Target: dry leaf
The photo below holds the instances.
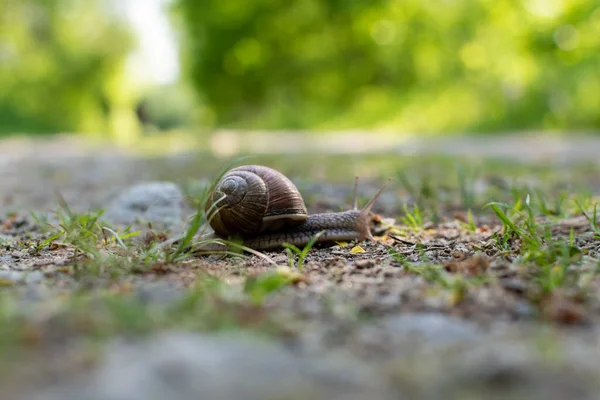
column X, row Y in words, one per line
column 357, row 250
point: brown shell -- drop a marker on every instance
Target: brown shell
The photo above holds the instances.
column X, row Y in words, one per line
column 255, row 199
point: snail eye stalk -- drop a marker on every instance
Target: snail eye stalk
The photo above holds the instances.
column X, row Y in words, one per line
column 367, row 208
column 355, row 201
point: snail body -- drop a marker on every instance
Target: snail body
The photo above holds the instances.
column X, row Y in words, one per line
column 333, row 227
column 266, row 210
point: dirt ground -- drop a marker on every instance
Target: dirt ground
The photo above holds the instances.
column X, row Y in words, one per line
column 446, row 303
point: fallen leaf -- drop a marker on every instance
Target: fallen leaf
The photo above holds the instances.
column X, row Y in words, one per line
column 357, row 250
column 385, row 239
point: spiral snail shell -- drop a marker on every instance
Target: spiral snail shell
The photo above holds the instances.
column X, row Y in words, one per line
column 265, row 208
column 251, row 199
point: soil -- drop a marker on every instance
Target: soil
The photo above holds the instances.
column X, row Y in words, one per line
column 437, row 310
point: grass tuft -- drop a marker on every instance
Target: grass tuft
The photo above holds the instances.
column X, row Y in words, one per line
column 295, row 251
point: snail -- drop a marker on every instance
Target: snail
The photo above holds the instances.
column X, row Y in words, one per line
column 265, row 209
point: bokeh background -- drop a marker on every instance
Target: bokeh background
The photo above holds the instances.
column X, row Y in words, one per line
column 140, row 67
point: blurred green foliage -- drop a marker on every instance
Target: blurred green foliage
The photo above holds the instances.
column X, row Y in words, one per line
column 168, row 106
column 410, row 65
column 417, row 65
column 61, row 66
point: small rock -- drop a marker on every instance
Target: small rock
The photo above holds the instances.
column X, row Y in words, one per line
column 160, row 203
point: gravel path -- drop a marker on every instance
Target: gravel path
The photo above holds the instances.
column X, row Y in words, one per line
column 409, row 340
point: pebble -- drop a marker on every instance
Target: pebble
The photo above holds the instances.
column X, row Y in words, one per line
column 160, row 203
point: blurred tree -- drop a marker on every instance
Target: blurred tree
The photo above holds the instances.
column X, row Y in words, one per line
column 169, row 106
column 447, row 65
column 61, row 66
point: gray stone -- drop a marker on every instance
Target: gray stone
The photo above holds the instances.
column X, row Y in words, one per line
column 185, row 366
column 160, row 203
